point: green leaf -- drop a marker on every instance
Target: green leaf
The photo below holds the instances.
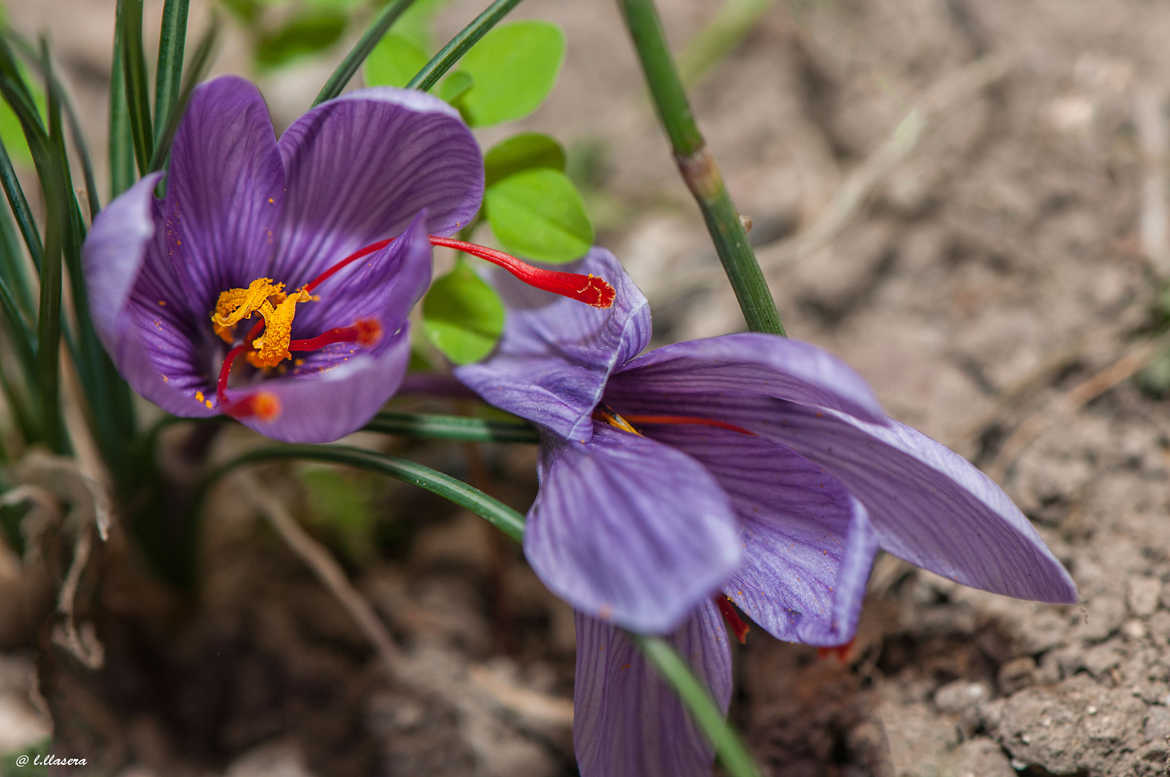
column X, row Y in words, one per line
column 525, row 151
column 452, row 427
column 462, row 315
column 453, row 51
column 455, row 86
column 514, row 67
column 538, row 214
column 309, row 32
column 393, row 61
column 415, row 25
column 172, row 38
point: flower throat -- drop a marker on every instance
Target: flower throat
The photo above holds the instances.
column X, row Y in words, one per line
column 268, row 343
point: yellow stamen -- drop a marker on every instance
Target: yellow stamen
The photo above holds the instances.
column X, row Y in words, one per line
column 266, row 297
column 234, row 305
column 615, row 420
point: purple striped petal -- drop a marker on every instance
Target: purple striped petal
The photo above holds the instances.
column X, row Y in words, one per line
column 629, row 530
column 928, row 505
column 748, row 363
column 149, row 343
column 336, row 390
column 556, row 354
column 627, row 721
column 224, row 192
column 808, row 545
column 360, row 168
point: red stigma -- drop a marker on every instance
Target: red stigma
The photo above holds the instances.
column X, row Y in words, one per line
column 688, row 420
column 366, row 332
column 840, row 651
column 261, row 404
column 731, row 617
column 584, row 288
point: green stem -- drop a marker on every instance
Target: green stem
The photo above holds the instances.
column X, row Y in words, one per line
column 357, row 55
column 447, row 56
column 490, row 509
column 706, row 712
column 452, row 427
column 698, row 168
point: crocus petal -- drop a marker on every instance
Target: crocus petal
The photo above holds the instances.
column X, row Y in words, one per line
column 629, row 530
column 223, row 195
column 336, row 390
column 808, row 545
column 627, row 721
column 748, row 363
column 929, row 505
column 556, row 354
column 361, row 166
column 145, row 340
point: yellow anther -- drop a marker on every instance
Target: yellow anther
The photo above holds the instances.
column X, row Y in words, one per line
column 271, row 348
column 234, row 305
column 616, row 421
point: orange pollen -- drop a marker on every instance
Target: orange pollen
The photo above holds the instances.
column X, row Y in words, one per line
column 731, row 617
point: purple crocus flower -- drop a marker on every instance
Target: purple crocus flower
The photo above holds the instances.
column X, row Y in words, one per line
column 746, row 468
column 243, row 256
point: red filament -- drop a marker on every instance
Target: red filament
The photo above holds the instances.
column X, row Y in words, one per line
column 731, row 617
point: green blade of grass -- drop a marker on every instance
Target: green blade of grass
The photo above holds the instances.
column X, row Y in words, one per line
column 15, row 194
column 13, row 267
column 168, row 77
column 447, row 56
column 357, row 55
column 121, row 144
column 196, row 68
column 129, row 21
column 495, row 512
column 452, row 427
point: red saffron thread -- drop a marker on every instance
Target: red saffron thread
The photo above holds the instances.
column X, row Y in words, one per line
column 686, row 419
column 731, row 617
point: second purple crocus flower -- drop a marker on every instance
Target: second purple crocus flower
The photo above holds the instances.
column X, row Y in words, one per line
column 746, row 468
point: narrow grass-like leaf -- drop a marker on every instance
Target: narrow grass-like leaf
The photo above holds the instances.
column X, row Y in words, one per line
column 704, row 711
column 22, row 336
column 15, row 194
column 447, row 56
column 196, row 68
column 168, row 77
column 129, row 21
column 49, row 312
column 357, row 55
column 13, row 268
column 452, row 489
column 452, row 427
column 121, row 145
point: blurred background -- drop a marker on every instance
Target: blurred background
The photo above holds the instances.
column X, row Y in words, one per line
column 967, row 201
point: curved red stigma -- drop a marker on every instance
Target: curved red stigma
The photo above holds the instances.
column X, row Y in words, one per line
column 731, row 617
